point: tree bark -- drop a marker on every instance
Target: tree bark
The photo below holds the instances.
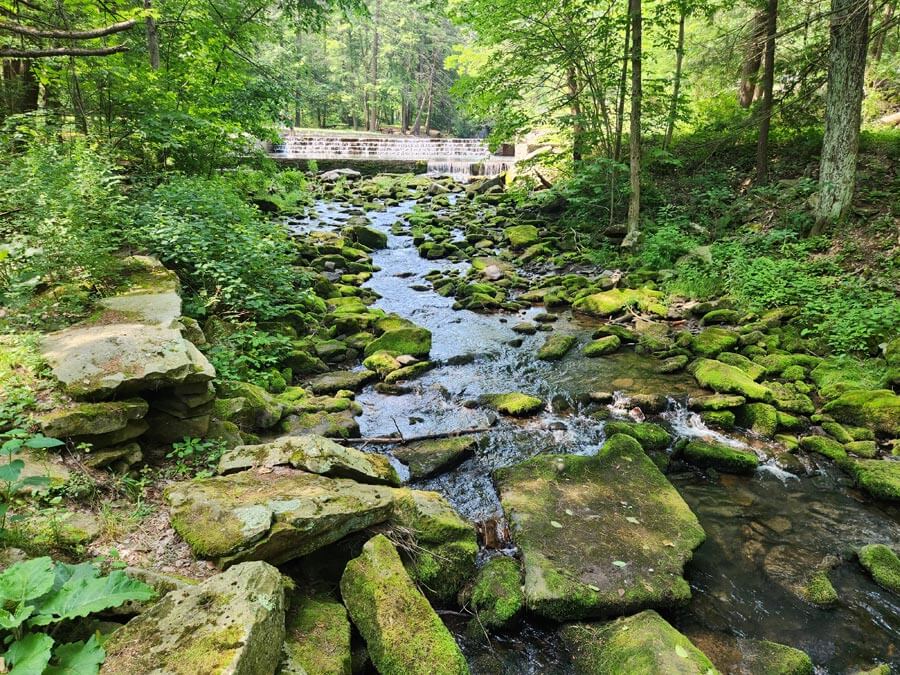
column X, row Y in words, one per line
column 623, row 90
column 28, row 31
column 152, row 36
column 843, row 110
column 634, row 201
column 9, row 53
column 878, row 41
column 768, row 84
column 575, row 107
column 752, row 59
column 676, row 85
column 373, row 104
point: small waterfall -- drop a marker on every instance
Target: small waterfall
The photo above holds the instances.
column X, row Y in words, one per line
column 688, row 424
column 458, row 169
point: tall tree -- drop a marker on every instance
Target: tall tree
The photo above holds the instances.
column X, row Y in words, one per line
column 765, row 109
column 634, row 200
column 752, row 59
column 843, row 109
column 676, row 85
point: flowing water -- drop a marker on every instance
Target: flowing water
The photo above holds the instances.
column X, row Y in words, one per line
column 761, row 529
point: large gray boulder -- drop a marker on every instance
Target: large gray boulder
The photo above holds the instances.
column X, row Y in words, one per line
column 231, row 623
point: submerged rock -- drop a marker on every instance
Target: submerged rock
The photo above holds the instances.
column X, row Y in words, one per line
column 402, row 632
column 742, row 656
column 427, row 458
column 231, row 623
column 645, row 643
column 883, row 564
column 315, row 454
column 514, row 403
column 600, row 536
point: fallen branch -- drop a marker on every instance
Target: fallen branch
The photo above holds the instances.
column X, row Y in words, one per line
column 90, row 34
column 391, row 440
column 9, row 53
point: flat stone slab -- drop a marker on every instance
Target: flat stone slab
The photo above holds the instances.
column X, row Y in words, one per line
column 231, row 623
column 315, row 454
column 600, row 536
column 329, row 383
column 427, row 458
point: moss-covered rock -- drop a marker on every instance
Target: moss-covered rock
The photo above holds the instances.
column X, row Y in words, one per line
column 250, row 405
column 556, row 346
column 883, row 564
column 715, row 402
column 723, row 419
column 760, row 418
column 827, row 447
column 409, row 372
column 877, row 409
column 314, row 454
column 366, row 236
column 403, row 633
column 330, row 424
column 231, row 623
column 317, row 637
column 496, row 595
column 753, row 370
column 91, row 419
column 413, row 340
column 712, row 341
column 879, row 477
column 429, row 457
column 613, row 301
column 521, row 236
column 602, row 346
column 725, row 379
column 645, row 643
column 743, row 656
column 866, row 449
column 720, row 457
column 516, row 404
column 590, row 527
column 818, row 590
column 652, row 437
column 339, row 380
column 382, row 363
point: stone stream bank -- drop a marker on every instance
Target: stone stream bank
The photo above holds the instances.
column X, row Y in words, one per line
column 496, row 460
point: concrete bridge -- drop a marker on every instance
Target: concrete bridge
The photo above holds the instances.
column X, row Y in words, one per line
column 460, row 157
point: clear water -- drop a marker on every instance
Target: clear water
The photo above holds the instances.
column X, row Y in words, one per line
column 760, row 528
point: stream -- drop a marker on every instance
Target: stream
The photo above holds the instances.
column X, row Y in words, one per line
column 757, row 526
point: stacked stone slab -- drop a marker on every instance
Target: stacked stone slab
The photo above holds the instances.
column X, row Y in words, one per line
column 131, row 370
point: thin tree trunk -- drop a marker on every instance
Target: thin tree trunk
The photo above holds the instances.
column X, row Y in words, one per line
column 765, row 110
column 426, row 99
column 373, row 103
column 878, row 41
column 634, row 201
column 752, row 59
column 152, row 37
column 623, row 90
column 843, row 110
column 676, row 86
column 577, row 130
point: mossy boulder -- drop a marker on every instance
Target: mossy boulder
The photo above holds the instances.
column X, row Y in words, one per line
column 341, row 380
column 720, row 457
column 409, row 372
column 603, row 346
column 652, row 437
column 366, row 236
column 600, row 536
column 743, row 656
column 521, row 236
column 883, row 564
column 382, row 363
column 879, row 477
column 496, row 595
column 314, row 454
column 645, row 643
column 827, row 447
column 877, row 409
column 403, row 633
column 411, row 340
column 556, row 346
column 331, row 424
column 515, row 403
column 712, row 341
column 430, row 457
column 760, row 418
column 866, row 449
column 231, row 623
column 251, row 406
column 715, row 402
column 725, row 379
column 614, row 301
column 818, row 590
column 91, row 419
column 753, row 369
column 719, row 316
column 317, row 637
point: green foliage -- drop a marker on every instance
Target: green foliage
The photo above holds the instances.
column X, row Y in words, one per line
column 249, row 354
column 12, row 484
column 667, row 239
column 40, row 592
column 231, row 259
column 196, row 457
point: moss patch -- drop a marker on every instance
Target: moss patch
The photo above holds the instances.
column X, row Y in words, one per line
column 555, row 347
column 602, row 346
column 878, row 409
column 652, row 437
column 514, row 403
column 496, row 596
column 317, row 637
column 725, row 379
column 883, row 564
column 720, row 457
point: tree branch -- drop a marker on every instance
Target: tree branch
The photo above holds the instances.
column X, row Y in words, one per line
column 27, row 31
column 10, row 53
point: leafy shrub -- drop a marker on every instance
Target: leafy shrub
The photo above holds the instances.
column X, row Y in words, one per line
column 666, row 240
column 11, row 482
column 248, row 354
column 231, row 259
column 39, row 594
column 196, row 457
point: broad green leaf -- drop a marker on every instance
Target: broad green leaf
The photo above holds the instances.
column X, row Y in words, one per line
column 26, row 580
column 37, row 442
column 30, row 655
column 10, row 620
column 36, row 481
column 77, row 658
column 10, row 472
column 80, row 595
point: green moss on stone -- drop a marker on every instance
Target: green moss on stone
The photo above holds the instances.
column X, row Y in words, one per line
column 601, row 346
column 652, row 437
column 720, row 457
column 724, row 419
column 725, row 379
column 521, row 236
column 514, row 403
column 611, row 302
column 883, row 564
column 826, row 447
column 712, row 341
column 818, row 590
column 556, row 347
column 760, row 418
column 877, row 409
column 409, row 340
column 317, row 637
column 879, row 477
column 867, row 449
column 496, row 596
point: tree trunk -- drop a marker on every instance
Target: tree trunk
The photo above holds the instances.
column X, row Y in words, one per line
column 843, row 110
column 752, row 59
column 768, row 83
column 426, row 99
column 634, row 201
column 880, row 33
column 373, row 103
column 577, row 130
column 676, row 85
column 152, row 37
column 620, row 121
